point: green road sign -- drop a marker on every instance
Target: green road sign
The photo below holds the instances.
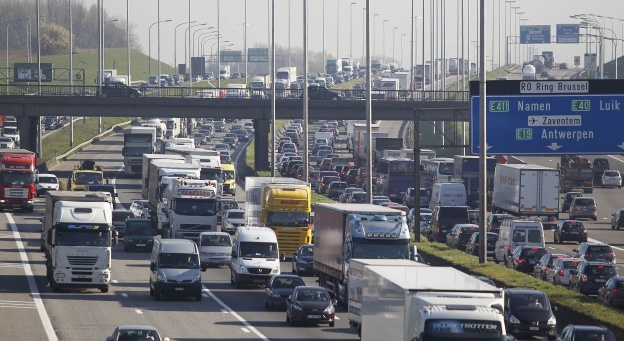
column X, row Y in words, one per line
column 499, row 106
column 582, row 105
column 524, row 134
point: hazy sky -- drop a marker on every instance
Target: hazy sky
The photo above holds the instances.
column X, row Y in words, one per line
column 143, row 13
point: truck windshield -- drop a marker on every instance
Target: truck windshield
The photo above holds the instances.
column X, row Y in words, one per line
column 88, row 178
column 288, row 219
column 137, row 151
column 378, row 249
column 228, row 175
column 178, row 261
column 138, row 137
column 211, row 174
column 258, row 250
column 281, row 75
column 196, row 207
column 448, row 330
column 16, row 178
column 83, row 238
column 9, row 131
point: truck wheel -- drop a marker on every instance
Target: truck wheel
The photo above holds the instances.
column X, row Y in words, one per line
column 331, row 324
column 104, row 290
column 30, row 209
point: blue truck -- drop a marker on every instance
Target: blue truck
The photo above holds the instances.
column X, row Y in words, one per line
column 467, row 169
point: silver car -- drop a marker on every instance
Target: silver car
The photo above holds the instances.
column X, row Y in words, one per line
column 560, row 271
column 583, row 207
column 611, row 177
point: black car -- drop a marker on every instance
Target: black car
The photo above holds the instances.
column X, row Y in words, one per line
column 573, row 332
column 118, row 90
column 524, row 258
column 545, row 263
column 612, row 293
column 589, row 277
column 595, row 252
column 230, row 141
column 472, row 246
column 567, row 200
column 617, row 219
column 321, row 93
column 494, row 220
column 570, row 230
column 335, row 188
column 460, row 235
column 279, row 288
column 528, row 313
column 310, row 305
column 303, row 259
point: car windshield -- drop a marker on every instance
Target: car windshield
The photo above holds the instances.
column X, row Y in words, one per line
column 139, row 229
column 178, row 261
column 47, row 180
column 592, row 335
column 215, row 240
column 258, row 250
column 89, row 178
column 312, row 295
column 529, row 301
column 287, row 282
column 138, row 334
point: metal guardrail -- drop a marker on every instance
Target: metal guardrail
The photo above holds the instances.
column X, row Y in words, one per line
column 230, row 93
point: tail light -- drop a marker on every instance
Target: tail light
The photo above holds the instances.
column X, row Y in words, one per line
column 561, row 273
column 612, row 255
column 476, row 244
column 562, row 230
column 594, row 209
column 584, row 278
column 521, row 261
column 461, row 231
column 438, row 229
column 508, row 248
column 615, row 291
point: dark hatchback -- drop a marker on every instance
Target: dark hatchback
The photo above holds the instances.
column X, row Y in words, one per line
column 279, row 288
column 118, row 90
column 595, row 252
column 567, row 200
column 310, row 305
column 612, row 293
column 139, row 235
column 335, row 188
column 582, row 332
column 472, row 247
column 460, row 235
column 546, row 263
column 303, row 259
column 528, row 313
column 589, row 277
column 573, row 230
column 524, row 258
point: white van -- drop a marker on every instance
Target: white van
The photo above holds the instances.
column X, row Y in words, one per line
column 175, row 269
column 255, row 256
column 215, row 248
column 448, row 194
column 515, row 232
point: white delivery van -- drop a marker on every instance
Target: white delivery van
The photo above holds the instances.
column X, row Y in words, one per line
column 175, row 269
column 215, row 248
column 448, row 194
column 515, row 232
column 255, row 256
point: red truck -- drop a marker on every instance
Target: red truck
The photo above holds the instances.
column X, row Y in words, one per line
column 17, row 179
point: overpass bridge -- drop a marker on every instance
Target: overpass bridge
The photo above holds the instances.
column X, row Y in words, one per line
column 29, row 103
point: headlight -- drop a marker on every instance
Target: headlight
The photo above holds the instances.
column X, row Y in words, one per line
column 196, row 278
column 552, row 320
column 275, row 294
column 130, row 240
column 514, row 320
column 329, row 310
column 276, row 270
column 242, row 269
column 295, row 306
column 302, row 261
column 161, row 277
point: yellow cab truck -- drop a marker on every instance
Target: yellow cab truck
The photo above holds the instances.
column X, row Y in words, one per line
column 284, row 205
column 87, row 173
column 229, row 178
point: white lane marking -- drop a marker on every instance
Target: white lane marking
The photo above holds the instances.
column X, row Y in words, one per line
column 205, row 295
column 17, row 304
column 245, row 330
column 43, row 314
column 336, row 317
column 592, row 240
column 138, row 311
column 114, row 281
column 550, row 247
column 223, row 310
column 238, row 317
column 124, row 294
column 11, row 265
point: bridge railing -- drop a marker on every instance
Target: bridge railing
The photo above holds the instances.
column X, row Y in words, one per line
column 230, row 93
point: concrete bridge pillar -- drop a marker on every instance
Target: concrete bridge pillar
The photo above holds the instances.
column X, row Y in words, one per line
column 27, row 127
column 261, row 145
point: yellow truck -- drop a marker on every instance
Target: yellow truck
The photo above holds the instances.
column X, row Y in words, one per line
column 87, row 173
column 229, row 178
column 284, row 205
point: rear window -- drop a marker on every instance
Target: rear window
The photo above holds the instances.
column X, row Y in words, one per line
column 601, row 270
column 535, row 236
column 453, row 212
column 573, row 226
column 468, row 231
column 592, row 335
column 599, row 249
column 620, row 285
column 533, row 253
column 570, row 265
column 584, row 202
column 611, row 173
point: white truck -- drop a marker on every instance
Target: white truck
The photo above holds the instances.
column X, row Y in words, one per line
column 224, row 72
column 211, row 171
column 191, row 208
column 286, row 76
column 161, row 128
column 346, row 231
column 355, row 130
column 429, row 303
column 137, row 142
column 259, row 84
column 147, row 158
column 404, row 79
column 77, row 228
column 526, row 190
column 173, row 126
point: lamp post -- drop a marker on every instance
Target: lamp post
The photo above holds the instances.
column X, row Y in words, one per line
column 186, row 33
column 245, row 41
column 212, row 46
column 507, row 61
column 104, row 42
column 149, row 47
column 337, row 31
column 527, row 55
column 374, row 32
column 7, row 44
column 351, row 30
column 514, row 32
column 363, row 35
column 175, row 44
column 193, row 40
column 519, row 46
column 383, row 38
column 203, row 44
column 401, row 59
column 393, row 43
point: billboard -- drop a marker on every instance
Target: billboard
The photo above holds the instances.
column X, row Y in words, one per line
column 258, row 55
column 198, row 66
column 534, row 34
column 231, row 56
column 27, row 72
column 567, row 34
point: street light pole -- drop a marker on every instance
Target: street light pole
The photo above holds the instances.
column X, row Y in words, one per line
column 245, row 44
column 507, row 60
column 393, row 43
column 193, row 40
column 104, row 42
column 71, row 71
column 350, row 30
column 187, row 59
column 383, row 38
column 149, row 47
column 175, row 43
column 337, row 30
column 401, row 59
column 289, row 29
column 305, row 91
column 374, row 31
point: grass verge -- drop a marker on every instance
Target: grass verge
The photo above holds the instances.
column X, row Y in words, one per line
column 505, row 277
column 58, row 143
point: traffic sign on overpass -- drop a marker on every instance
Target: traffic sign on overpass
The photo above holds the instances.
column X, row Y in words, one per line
column 534, row 34
column 568, row 34
column 550, row 118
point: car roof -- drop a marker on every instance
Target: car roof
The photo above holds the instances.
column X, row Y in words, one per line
column 135, row 326
column 525, row 291
column 587, row 327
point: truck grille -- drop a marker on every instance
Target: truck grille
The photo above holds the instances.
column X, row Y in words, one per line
column 82, row 260
column 257, row 271
column 16, row 193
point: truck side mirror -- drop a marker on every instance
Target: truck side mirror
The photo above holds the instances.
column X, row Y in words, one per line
column 49, row 237
column 153, row 266
column 123, row 151
column 204, row 267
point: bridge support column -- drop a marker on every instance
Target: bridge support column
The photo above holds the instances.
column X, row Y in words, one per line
column 27, row 127
column 261, row 145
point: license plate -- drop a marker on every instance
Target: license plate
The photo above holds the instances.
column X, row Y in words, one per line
column 140, row 245
column 259, row 281
column 573, row 232
column 601, row 280
column 81, row 276
column 179, row 289
column 314, row 316
column 601, row 259
column 533, row 328
column 532, row 262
